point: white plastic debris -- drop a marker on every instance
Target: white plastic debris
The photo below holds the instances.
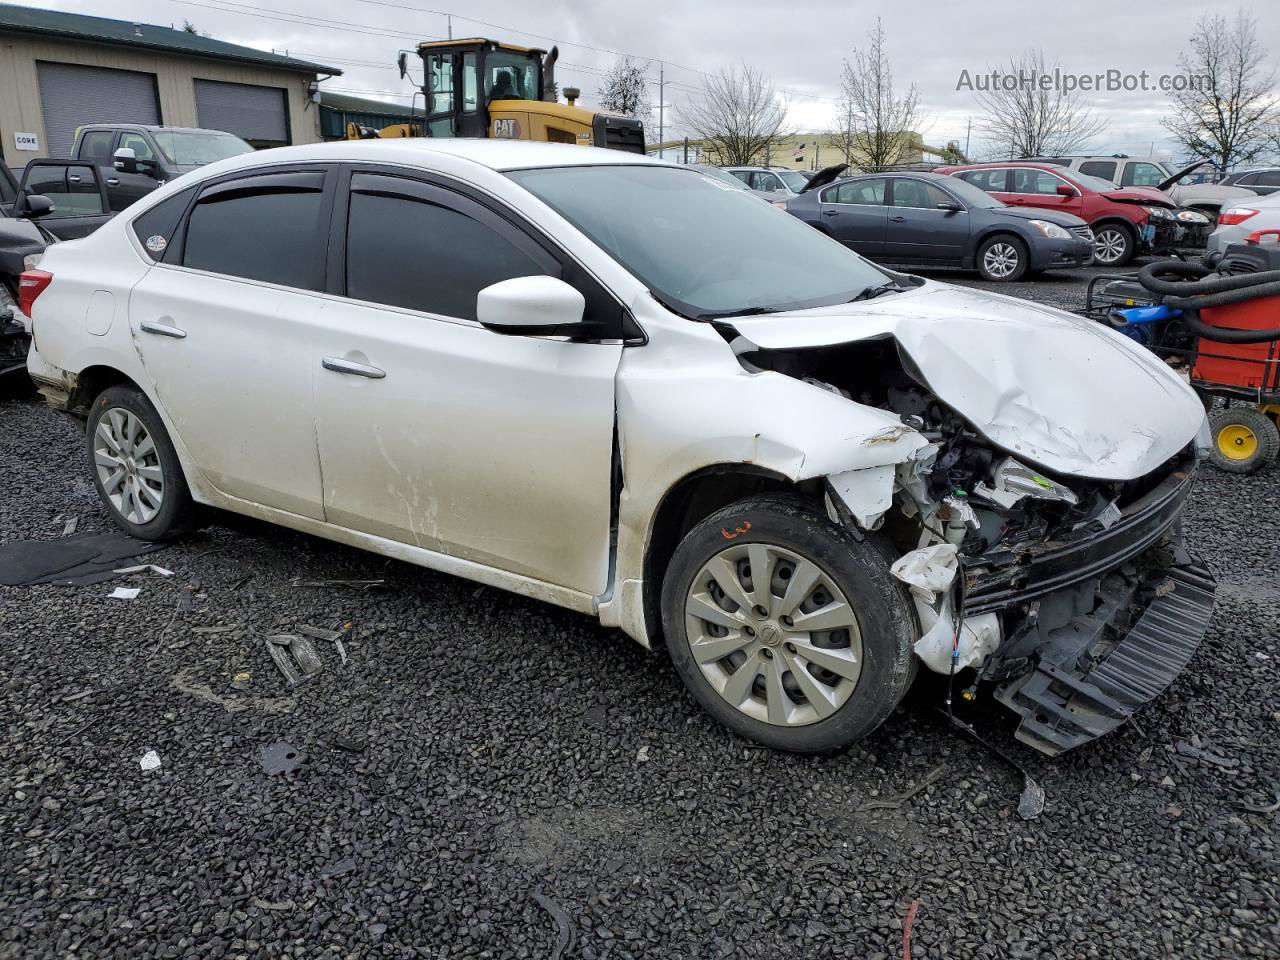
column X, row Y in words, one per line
column 928, row 571
column 642, row 755
column 979, row 637
column 150, row 761
column 143, row 567
column 125, row 593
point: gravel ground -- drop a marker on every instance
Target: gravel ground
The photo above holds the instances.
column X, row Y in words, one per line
column 478, row 749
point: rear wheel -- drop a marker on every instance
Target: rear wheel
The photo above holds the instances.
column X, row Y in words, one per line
column 1244, row 440
column 135, row 468
column 1002, row 259
column 1113, row 245
column 785, row 627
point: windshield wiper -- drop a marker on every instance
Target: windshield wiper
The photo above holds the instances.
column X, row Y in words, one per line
column 870, row 293
column 744, row 312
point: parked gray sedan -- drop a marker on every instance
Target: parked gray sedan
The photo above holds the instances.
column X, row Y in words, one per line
column 926, row 218
column 1239, row 220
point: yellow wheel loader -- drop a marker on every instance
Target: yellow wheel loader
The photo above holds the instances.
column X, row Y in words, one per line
column 483, row 88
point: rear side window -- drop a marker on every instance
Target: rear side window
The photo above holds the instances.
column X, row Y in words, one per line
column 1269, row 179
column 1104, row 169
column 96, row 145
column 861, row 192
column 266, row 227
column 156, row 228
column 409, row 245
column 992, row 181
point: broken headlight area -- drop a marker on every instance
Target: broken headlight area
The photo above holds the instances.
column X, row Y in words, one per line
column 1075, row 597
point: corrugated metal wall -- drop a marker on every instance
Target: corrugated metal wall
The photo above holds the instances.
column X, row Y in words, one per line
column 72, row 95
column 254, row 113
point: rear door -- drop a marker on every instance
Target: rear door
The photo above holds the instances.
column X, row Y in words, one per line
column 1039, row 188
column 917, row 229
column 225, row 323
column 855, row 214
column 994, row 180
column 77, row 192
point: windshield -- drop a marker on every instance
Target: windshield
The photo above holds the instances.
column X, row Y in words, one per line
column 971, row 195
column 197, row 149
column 700, row 246
column 724, row 176
column 794, row 179
column 1093, row 183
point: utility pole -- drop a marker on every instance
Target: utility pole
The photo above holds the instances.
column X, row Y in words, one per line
column 662, row 105
column 449, row 18
column 968, row 130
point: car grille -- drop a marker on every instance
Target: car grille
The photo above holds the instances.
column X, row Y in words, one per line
column 1083, row 232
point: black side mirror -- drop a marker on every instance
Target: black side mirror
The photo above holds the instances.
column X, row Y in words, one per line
column 33, row 206
column 950, row 206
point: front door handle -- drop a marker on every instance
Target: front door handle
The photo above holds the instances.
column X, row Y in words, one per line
column 350, row 367
column 113, row 181
column 830, row 213
column 897, row 219
column 162, row 329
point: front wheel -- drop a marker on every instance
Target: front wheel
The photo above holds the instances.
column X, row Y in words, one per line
column 1002, row 259
column 1113, row 245
column 786, row 628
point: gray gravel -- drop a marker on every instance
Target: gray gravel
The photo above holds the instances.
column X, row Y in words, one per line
column 478, row 748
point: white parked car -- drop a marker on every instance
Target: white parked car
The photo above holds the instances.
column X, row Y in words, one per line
column 610, row 383
column 1241, row 220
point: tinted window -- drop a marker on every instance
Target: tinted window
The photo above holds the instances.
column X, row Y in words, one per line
column 743, row 175
column 409, row 252
column 993, row 181
column 261, row 228
column 1106, row 169
column 916, row 193
column 73, row 189
column 156, row 228
column 1269, row 179
column 862, row 192
column 96, row 145
column 767, row 182
column 1142, row 175
column 1035, row 181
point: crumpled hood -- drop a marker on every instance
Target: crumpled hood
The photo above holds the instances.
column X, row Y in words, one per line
column 1060, row 391
column 1152, row 198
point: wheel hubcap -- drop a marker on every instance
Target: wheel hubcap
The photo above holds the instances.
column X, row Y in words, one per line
column 128, row 466
column 1108, row 246
column 1000, row 260
column 1237, row 442
column 773, row 634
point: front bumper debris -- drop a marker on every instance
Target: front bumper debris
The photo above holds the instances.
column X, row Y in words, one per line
column 1090, row 674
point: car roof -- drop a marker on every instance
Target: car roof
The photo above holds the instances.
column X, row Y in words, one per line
column 150, row 127
column 495, row 154
column 995, row 164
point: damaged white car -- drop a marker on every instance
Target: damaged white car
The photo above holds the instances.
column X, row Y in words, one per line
column 628, row 389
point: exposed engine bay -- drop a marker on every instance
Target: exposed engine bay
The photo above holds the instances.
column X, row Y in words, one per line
column 1074, row 596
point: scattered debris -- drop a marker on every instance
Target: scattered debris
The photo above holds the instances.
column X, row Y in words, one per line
column 272, row 904
column 203, row 631
column 1031, row 802
column 351, row 744
column 1167, row 782
column 79, row 560
column 125, row 593
column 895, row 803
column 184, row 682
column 69, row 527
column 1260, row 808
column 144, row 567
column 642, row 755
column 282, row 757
column 333, row 636
column 150, row 761
column 1198, row 753
column 907, row 923
column 243, row 677
column 362, row 584
column 564, row 926
column 295, row 656
column 339, row 869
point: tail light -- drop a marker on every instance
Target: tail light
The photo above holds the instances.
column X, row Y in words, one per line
column 31, row 284
column 1229, row 218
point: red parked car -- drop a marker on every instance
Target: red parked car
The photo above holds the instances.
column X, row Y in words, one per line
column 1126, row 222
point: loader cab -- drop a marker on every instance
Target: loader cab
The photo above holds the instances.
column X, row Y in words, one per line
column 461, row 78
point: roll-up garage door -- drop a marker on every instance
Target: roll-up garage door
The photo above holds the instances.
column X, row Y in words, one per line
column 72, row 96
column 253, row 113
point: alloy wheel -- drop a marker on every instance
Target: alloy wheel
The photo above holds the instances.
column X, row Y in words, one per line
column 773, row 635
column 1109, row 245
column 128, row 465
column 1000, row 260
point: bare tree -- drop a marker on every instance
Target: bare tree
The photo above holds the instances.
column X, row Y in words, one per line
column 875, row 127
column 1027, row 117
column 738, row 118
column 625, row 90
column 1227, row 106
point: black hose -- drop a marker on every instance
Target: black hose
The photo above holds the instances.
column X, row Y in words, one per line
column 1192, row 287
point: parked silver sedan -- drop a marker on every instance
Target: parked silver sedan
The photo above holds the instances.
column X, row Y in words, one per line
column 1237, row 221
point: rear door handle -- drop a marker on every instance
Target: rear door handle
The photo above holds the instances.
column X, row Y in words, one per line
column 831, row 213
column 113, row 181
column 162, row 329
column 897, row 219
column 351, row 368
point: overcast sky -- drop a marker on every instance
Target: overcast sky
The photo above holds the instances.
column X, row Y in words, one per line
column 799, row 44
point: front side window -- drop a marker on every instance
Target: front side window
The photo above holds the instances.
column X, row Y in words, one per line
column 73, row 189
column 860, row 192
column 96, row 145
column 1142, row 174
column 1039, row 182
column 698, row 247
column 266, row 227
column 138, row 144
column 915, row 193
column 1271, row 178
column 408, row 251
column 743, row 175
column 197, row 149
column 766, row 182
column 440, row 83
column 510, row 76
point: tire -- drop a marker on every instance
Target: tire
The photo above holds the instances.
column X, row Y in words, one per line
column 1244, row 440
column 1114, row 244
column 1002, row 259
column 135, row 468
column 873, row 654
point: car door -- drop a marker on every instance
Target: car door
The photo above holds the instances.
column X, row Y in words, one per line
column 76, row 191
column 437, row 432
column 993, row 180
column 224, row 324
column 918, row 229
column 1030, row 187
column 854, row 212
column 125, row 188
column 767, row 182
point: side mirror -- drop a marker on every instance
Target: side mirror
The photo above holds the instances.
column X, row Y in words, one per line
column 530, row 305
column 126, row 161
column 950, row 205
column 1065, row 191
column 33, row 206
column 402, row 62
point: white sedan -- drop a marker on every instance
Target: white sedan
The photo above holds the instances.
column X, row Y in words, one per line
column 623, row 387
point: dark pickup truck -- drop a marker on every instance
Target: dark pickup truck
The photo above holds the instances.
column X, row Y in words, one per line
column 136, row 158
